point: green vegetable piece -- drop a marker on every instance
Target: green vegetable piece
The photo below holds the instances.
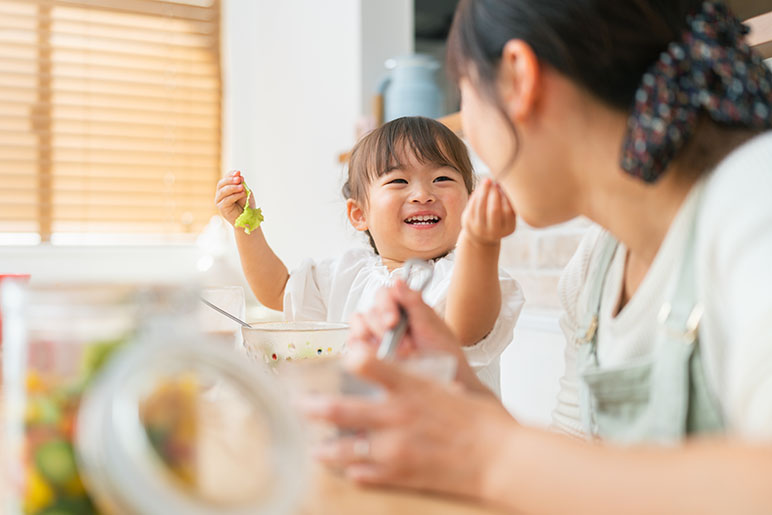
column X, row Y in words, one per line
column 56, row 462
column 251, row 218
column 97, row 354
column 70, row 506
column 46, row 410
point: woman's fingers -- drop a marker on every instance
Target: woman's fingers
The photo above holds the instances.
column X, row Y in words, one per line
column 384, row 314
column 367, row 474
column 375, row 458
column 425, row 328
column 419, row 313
column 386, row 373
column 349, row 412
column 407, row 297
column 360, row 331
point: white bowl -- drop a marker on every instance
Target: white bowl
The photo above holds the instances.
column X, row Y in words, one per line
column 272, row 342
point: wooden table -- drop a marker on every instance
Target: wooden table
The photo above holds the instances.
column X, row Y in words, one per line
column 329, row 494
column 332, row 495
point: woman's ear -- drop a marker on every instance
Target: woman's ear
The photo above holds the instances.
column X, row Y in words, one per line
column 356, row 215
column 520, row 79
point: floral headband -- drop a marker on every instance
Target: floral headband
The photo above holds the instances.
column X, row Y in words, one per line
column 710, row 69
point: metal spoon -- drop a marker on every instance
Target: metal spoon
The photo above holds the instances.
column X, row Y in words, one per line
column 393, row 336
column 222, row 311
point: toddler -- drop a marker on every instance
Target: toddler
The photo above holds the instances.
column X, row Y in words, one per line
column 409, row 183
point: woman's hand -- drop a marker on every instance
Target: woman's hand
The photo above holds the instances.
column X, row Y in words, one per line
column 488, row 216
column 421, row 435
column 426, row 330
column 230, row 196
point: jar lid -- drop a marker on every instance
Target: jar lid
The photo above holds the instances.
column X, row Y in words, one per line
column 188, row 427
column 413, row 61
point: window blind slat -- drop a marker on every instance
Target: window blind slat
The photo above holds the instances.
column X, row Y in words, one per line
column 85, row 78
column 165, row 36
column 14, row 153
column 127, row 184
column 18, row 218
column 13, row 62
column 158, row 203
column 127, row 214
column 122, row 171
column 137, row 21
column 13, row 170
column 154, row 148
column 12, row 47
column 169, row 79
column 130, row 116
column 63, row 85
column 17, row 8
column 170, row 49
column 66, row 83
column 140, row 131
column 164, row 9
column 102, row 157
column 167, row 109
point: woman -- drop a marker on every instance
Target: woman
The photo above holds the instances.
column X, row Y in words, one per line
column 647, row 117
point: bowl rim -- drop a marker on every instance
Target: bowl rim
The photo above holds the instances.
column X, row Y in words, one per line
column 281, row 326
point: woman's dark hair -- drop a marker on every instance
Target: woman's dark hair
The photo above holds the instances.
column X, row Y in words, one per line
column 605, row 46
column 388, row 146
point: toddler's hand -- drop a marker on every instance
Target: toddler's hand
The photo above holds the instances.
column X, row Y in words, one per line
column 488, row 216
column 230, row 195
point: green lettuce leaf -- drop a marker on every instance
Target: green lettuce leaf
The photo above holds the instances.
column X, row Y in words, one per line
column 251, row 218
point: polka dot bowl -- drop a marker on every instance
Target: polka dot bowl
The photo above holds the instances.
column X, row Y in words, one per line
column 273, row 342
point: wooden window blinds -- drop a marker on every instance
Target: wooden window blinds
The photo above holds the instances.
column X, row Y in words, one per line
column 109, row 116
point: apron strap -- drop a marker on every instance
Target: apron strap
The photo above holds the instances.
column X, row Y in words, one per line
column 586, row 333
column 688, row 397
column 593, row 290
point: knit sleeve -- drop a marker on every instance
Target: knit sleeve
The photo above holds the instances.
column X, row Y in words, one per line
column 566, row 418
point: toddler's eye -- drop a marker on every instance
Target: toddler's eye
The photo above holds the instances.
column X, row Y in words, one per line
column 397, row 181
column 442, row 178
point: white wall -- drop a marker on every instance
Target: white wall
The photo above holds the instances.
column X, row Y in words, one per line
column 531, row 367
column 387, row 31
column 299, row 78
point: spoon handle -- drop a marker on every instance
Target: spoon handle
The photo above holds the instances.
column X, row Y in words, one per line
column 222, row 311
column 393, row 336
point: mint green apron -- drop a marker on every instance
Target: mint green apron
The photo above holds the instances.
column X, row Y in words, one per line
column 662, row 397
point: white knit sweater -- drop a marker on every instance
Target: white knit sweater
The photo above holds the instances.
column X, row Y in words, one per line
column 734, row 282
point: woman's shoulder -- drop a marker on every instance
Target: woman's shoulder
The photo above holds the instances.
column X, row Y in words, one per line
column 736, row 196
column 751, row 160
column 747, row 170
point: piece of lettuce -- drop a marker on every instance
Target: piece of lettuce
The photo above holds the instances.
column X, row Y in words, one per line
column 251, row 218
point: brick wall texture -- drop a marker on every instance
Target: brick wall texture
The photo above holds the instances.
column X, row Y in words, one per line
column 536, row 258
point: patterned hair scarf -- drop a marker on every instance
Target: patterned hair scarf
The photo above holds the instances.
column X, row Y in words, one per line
column 711, row 68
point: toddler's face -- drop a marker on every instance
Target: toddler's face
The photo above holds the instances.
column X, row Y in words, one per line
column 415, row 211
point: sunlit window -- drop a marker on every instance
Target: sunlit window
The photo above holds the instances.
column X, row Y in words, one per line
column 109, row 120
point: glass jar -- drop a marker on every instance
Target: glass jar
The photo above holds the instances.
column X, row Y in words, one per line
column 116, row 403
